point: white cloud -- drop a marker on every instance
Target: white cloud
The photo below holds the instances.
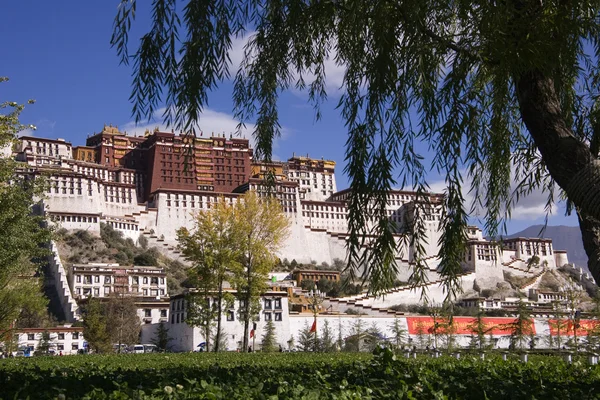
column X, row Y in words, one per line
column 211, row 123
column 528, row 208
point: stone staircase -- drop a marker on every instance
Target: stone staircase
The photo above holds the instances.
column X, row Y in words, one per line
column 533, row 281
column 165, row 248
column 68, row 304
column 365, row 301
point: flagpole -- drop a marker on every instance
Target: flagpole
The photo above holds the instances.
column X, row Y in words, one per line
column 315, row 298
column 315, row 324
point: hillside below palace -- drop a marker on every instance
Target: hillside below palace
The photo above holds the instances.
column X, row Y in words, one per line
column 153, row 184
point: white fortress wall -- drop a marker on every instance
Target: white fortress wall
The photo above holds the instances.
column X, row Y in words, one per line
column 560, row 258
column 489, row 273
column 508, row 255
column 436, row 293
column 299, row 245
column 299, row 322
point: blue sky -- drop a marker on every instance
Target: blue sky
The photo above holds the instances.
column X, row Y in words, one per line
column 58, row 53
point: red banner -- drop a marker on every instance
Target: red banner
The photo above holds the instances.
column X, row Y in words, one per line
column 568, row 327
column 462, row 325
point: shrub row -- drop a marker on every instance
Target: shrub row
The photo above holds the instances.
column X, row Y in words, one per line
column 294, row 376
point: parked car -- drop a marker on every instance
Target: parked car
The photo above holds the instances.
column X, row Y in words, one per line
column 150, row 348
column 136, row 349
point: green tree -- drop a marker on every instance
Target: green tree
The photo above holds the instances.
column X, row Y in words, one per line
column 559, row 324
column 472, row 81
column 44, row 345
column 261, row 227
column 573, row 298
column 308, row 284
column 340, row 339
column 10, row 343
column 521, row 328
column 372, row 338
column 269, row 339
column 399, row 334
column 23, row 234
column 95, row 329
column 145, row 259
column 479, row 329
column 423, row 338
column 354, row 342
column 593, row 334
column 213, row 250
column 306, row 339
column 221, row 337
column 161, row 338
column 326, row 339
column 201, row 311
column 124, row 325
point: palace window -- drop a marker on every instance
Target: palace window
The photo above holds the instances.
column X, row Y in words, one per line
column 268, row 304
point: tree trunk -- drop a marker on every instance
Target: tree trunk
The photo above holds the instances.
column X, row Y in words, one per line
column 247, row 299
column 219, row 311
column 590, row 233
column 569, row 161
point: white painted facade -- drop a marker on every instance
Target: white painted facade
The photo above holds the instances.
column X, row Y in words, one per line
column 100, row 280
column 83, row 195
column 63, row 339
column 42, row 151
column 274, row 307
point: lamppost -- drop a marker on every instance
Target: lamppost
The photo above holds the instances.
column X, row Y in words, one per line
column 315, row 299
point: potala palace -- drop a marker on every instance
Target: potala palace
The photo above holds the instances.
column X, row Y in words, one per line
column 144, row 186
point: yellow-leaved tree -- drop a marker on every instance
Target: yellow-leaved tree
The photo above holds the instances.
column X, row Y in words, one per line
column 212, row 248
column 261, row 227
column 235, row 243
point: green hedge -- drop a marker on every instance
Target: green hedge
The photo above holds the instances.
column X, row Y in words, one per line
column 294, row 376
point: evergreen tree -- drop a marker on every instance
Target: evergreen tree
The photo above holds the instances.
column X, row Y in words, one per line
column 269, row 339
column 95, row 326
column 520, row 329
column 326, row 340
column 423, row 338
column 400, row 335
column 558, row 324
column 593, row 334
column 573, row 295
column 438, row 323
column 354, row 342
column 161, row 339
column 44, row 345
column 372, row 338
column 306, row 339
column 340, row 338
column 479, row 329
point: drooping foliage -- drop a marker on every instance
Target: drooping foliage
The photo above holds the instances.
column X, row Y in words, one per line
column 22, row 236
column 498, row 91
